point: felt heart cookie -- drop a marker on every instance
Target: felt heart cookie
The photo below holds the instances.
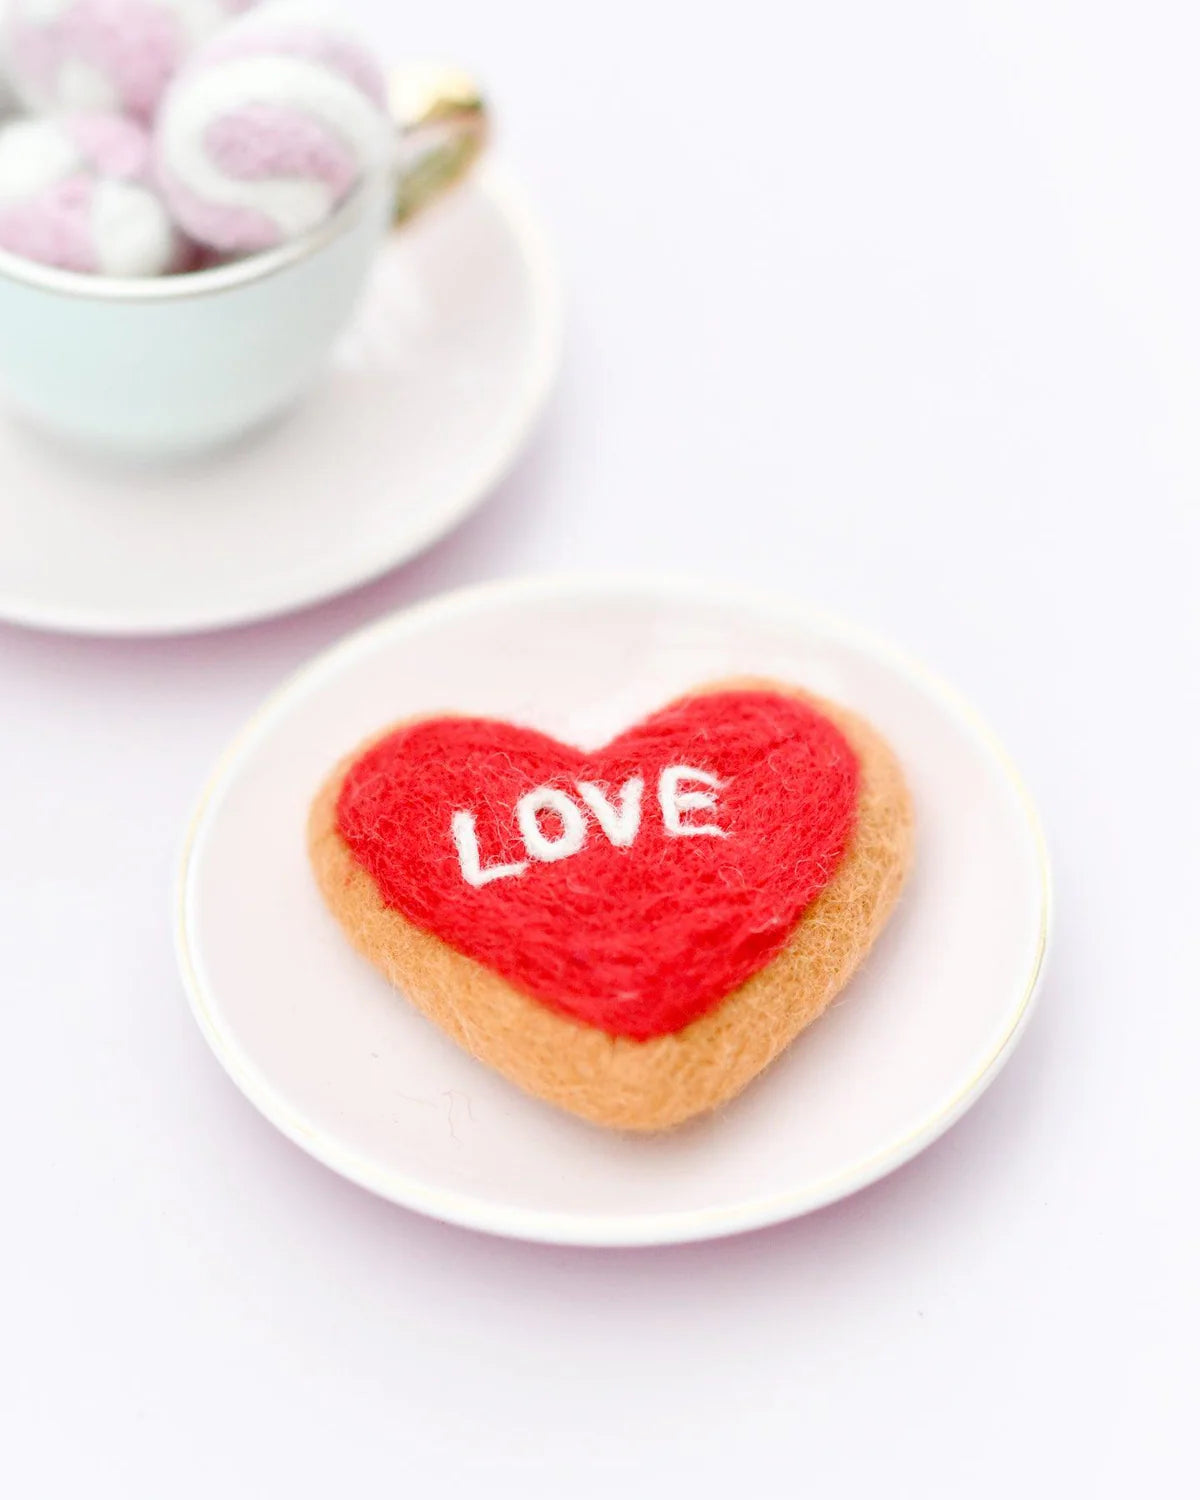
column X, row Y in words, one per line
column 634, row 932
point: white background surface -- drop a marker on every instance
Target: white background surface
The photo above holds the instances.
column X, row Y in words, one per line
column 891, row 307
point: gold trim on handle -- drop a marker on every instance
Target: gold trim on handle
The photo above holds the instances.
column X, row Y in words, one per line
column 444, row 126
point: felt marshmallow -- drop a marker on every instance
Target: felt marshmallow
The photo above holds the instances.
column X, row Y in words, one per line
column 75, row 193
column 634, row 932
column 270, row 127
column 104, row 54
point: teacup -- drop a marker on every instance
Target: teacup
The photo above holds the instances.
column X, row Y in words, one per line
column 177, row 365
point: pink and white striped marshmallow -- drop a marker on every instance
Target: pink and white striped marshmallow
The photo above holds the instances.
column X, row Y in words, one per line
column 270, row 126
column 75, row 193
column 104, row 54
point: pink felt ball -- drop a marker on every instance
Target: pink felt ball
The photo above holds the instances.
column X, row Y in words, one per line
column 270, row 126
column 75, row 192
column 104, row 54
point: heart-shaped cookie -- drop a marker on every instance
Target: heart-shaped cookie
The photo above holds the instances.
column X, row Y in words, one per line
column 632, row 933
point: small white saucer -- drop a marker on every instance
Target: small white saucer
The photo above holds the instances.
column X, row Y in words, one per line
column 431, row 395
column 340, row 1063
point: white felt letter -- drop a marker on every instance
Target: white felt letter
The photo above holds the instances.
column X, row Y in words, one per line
column 466, row 841
column 550, row 799
column 674, row 802
column 620, row 823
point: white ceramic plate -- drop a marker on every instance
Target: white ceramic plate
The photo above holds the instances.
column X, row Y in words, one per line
column 339, row 1062
column 430, row 397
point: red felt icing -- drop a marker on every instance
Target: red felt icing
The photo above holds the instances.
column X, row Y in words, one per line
column 636, row 938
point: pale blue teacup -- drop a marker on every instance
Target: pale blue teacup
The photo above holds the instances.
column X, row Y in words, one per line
column 169, row 366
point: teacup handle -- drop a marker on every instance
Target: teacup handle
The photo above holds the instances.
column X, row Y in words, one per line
column 444, row 126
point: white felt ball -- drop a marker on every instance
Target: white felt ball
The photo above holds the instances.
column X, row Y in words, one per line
column 75, row 193
column 270, row 126
column 104, row 54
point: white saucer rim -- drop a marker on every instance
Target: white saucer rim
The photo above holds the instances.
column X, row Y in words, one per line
column 601, row 1230
column 499, row 184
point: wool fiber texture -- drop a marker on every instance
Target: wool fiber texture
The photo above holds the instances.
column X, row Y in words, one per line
column 648, row 981
column 271, row 126
column 76, row 193
column 104, row 54
column 635, row 940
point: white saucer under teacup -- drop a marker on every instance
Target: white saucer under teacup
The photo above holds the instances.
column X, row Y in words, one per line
column 430, row 395
column 195, row 450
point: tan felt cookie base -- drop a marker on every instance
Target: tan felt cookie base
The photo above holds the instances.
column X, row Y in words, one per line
column 615, row 1081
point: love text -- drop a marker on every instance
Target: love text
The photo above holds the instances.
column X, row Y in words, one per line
column 685, row 795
